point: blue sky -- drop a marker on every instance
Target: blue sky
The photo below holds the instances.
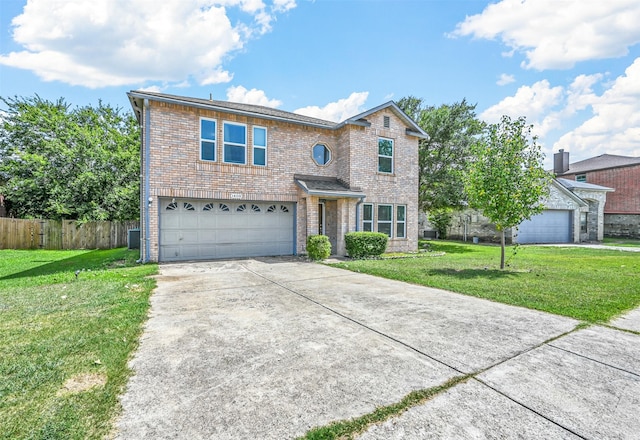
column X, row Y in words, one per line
column 572, row 67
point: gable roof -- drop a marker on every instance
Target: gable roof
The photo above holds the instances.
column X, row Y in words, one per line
column 601, row 162
column 564, row 190
column 572, row 184
column 136, row 97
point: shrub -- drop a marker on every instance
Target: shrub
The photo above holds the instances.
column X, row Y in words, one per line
column 365, row 244
column 318, row 247
column 441, row 220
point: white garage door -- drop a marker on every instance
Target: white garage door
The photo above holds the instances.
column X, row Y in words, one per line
column 206, row 229
column 551, row 226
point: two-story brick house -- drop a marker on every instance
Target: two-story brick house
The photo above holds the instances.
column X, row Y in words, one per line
column 222, row 179
column 622, row 173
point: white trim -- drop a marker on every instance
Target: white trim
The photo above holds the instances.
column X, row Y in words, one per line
column 390, row 221
column 393, row 147
column 260, row 147
column 403, row 223
column 215, row 139
column 234, row 144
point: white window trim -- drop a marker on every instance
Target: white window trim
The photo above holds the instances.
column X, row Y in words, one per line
column 390, row 222
column 215, row 140
column 393, row 149
column 403, row 222
column 233, row 143
column 372, row 217
column 259, row 147
column 326, row 145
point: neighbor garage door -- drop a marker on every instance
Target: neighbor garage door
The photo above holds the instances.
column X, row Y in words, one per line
column 206, row 229
column 551, row 226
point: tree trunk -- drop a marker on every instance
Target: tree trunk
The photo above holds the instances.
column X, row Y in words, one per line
column 502, row 249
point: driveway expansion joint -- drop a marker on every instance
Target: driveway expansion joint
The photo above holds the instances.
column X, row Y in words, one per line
column 391, row 338
column 594, row 360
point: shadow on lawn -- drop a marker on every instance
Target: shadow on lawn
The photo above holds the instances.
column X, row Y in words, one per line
column 469, row 274
column 450, row 248
column 92, row 260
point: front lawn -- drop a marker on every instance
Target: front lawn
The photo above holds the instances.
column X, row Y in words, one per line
column 592, row 285
column 66, row 339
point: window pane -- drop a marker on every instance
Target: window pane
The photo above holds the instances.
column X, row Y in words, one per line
column 208, row 151
column 384, row 213
column 400, row 213
column 207, row 129
column 384, row 164
column 400, row 230
column 385, row 147
column 385, row 228
column 235, row 133
column 367, row 227
column 321, row 154
column 233, row 154
column 259, row 156
column 367, row 212
column 259, row 137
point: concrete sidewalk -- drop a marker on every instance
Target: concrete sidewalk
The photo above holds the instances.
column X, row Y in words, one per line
column 269, row 349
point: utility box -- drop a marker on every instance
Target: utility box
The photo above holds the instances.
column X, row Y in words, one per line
column 133, row 238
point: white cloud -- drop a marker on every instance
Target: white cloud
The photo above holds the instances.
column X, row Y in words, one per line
column 253, row 96
column 117, row 42
column 337, row 111
column 535, row 102
column 614, row 127
column 557, row 34
column 505, row 79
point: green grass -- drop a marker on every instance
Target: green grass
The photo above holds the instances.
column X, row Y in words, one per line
column 347, row 429
column 624, row 242
column 58, row 331
column 591, row 285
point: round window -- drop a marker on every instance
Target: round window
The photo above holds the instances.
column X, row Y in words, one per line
column 321, row 154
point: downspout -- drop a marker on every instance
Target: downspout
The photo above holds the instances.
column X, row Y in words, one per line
column 358, row 213
column 147, row 196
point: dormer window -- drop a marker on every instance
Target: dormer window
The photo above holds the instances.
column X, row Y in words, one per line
column 321, row 154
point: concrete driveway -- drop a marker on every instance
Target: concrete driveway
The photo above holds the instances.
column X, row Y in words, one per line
column 269, row 348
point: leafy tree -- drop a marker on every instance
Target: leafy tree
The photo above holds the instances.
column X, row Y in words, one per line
column 57, row 162
column 506, row 179
column 452, row 128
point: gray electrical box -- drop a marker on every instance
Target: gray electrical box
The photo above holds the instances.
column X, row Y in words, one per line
column 133, row 238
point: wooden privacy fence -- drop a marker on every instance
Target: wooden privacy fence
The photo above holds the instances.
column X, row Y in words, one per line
column 63, row 234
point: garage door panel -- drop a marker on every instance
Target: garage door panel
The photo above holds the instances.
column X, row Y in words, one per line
column 551, row 226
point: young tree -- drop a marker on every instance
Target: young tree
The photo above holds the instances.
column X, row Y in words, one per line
column 57, row 163
column 506, row 179
column 443, row 157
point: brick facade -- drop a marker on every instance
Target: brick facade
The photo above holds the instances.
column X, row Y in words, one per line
column 172, row 167
column 625, row 181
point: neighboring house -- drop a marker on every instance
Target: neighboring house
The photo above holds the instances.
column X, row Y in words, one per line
column 622, row 173
column 223, row 179
column 573, row 213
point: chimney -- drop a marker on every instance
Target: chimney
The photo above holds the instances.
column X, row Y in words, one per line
column 560, row 162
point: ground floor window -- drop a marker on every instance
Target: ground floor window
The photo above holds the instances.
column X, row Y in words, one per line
column 584, row 216
column 386, row 218
column 401, row 222
column 367, row 217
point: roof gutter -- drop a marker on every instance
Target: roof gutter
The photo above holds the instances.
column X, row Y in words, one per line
column 167, row 100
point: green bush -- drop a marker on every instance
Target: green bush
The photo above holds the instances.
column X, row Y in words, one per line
column 365, row 244
column 318, row 247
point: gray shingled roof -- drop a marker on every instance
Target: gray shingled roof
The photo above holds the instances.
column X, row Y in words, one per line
column 135, row 96
column 572, row 184
column 601, row 162
column 233, row 107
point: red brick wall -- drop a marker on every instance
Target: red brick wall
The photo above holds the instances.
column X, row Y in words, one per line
column 625, row 181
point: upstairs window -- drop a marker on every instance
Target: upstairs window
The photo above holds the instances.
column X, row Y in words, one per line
column 235, row 143
column 207, row 139
column 385, row 155
column 581, row 178
column 260, row 146
column 321, row 154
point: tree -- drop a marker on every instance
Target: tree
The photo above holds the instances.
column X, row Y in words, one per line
column 506, row 179
column 57, row 162
column 452, row 128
